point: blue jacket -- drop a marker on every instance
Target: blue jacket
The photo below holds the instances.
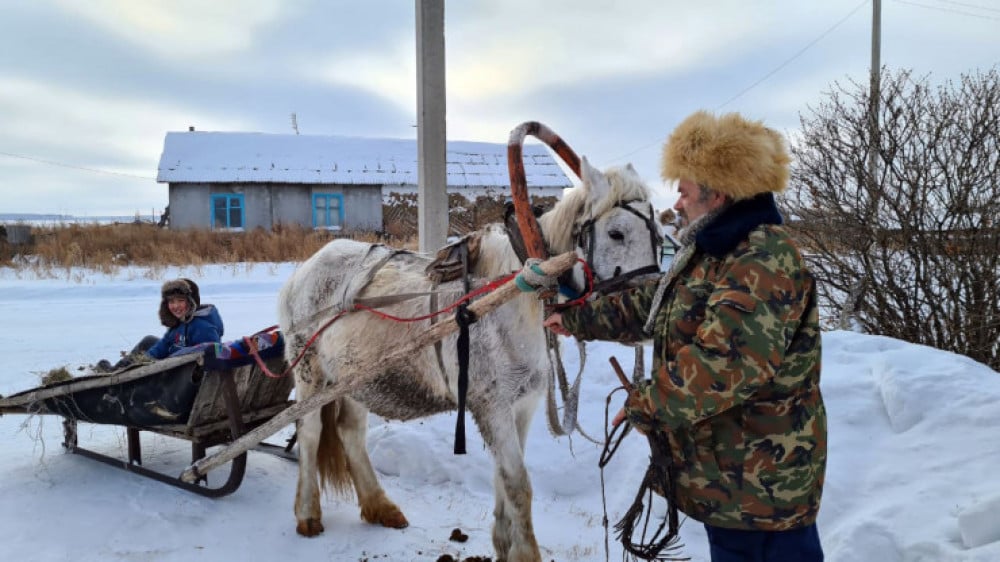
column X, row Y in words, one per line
column 205, row 326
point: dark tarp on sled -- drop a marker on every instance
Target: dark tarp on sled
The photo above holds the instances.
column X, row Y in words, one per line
column 145, row 395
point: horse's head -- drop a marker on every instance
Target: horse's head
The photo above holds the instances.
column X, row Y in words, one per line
column 610, row 222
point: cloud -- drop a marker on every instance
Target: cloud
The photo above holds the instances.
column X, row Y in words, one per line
column 181, row 28
column 84, row 152
column 98, row 83
column 56, row 121
column 502, row 58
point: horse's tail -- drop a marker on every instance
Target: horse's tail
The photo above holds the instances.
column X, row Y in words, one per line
column 331, row 459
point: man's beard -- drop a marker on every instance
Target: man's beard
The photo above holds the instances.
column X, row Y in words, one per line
column 682, row 220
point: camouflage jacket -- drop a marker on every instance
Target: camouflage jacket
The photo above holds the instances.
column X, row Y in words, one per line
column 735, row 380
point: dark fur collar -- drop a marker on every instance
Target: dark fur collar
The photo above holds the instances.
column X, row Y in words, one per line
column 719, row 237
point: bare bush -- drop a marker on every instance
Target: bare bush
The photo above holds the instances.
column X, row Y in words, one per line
column 912, row 250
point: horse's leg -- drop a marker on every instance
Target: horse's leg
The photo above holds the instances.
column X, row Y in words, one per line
column 524, row 411
column 501, row 517
column 513, row 533
column 376, row 507
column 308, row 513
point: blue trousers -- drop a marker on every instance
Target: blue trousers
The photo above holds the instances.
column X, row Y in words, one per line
column 796, row 545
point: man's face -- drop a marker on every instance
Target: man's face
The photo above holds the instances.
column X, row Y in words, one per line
column 694, row 201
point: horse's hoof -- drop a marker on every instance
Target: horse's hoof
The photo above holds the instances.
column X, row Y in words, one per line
column 394, row 520
column 309, row 527
column 387, row 515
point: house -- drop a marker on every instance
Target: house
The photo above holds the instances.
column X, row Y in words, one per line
column 241, row 181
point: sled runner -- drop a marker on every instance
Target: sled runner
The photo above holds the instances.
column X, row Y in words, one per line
column 209, row 396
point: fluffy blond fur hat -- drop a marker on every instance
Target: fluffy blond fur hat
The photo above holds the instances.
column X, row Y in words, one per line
column 728, row 154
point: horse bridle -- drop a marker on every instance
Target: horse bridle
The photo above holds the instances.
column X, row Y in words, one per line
column 584, row 236
column 586, row 240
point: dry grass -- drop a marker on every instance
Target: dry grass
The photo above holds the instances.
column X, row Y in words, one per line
column 107, row 248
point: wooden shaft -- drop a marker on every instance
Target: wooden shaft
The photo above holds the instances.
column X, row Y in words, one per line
column 531, row 234
column 621, row 374
column 344, row 386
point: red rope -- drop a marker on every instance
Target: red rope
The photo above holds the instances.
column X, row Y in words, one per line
column 260, row 362
column 252, row 345
column 491, row 286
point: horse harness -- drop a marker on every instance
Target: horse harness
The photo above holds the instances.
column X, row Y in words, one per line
column 585, row 237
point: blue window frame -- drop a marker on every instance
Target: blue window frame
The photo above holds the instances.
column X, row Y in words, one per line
column 227, row 210
column 328, row 210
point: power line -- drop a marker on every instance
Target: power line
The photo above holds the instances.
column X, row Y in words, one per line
column 974, row 6
column 793, row 57
column 74, row 167
column 766, row 76
column 950, row 10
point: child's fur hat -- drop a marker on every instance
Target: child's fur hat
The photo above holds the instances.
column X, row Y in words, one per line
column 178, row 287
column 728, row 154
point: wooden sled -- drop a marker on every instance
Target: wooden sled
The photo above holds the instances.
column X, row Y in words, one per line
column 207, row 397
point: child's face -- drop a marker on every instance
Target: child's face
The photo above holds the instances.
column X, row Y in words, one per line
column 178, row 306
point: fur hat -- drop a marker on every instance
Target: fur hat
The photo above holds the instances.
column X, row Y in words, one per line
column 178, row 287
column 728, row 154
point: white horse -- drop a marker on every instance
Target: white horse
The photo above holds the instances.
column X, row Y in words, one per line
column 608, row 218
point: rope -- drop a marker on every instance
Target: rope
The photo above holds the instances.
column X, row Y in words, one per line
column 570, row 395
column 660, row 477
column 611, row 444
column 531, row 278
column 491, row 286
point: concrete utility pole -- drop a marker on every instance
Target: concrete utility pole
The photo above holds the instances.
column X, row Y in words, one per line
column 876, row 87
column 849, row 311
column 432, row 191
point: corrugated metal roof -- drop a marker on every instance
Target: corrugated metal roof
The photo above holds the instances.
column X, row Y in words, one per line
column 202, row 157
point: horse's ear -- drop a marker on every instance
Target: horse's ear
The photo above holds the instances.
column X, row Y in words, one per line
column 597, row 183
column 447, row 264
column 629, row 167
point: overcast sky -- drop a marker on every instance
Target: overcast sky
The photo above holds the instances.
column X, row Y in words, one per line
column 88, row 89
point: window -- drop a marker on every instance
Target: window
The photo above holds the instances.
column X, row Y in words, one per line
column 328, row 210
column 227, row 211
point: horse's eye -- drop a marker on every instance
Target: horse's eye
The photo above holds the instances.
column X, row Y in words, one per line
column 616, row 235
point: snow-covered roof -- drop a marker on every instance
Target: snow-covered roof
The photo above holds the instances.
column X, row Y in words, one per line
column 258, row 157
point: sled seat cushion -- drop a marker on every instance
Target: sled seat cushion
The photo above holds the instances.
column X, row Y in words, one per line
column 237, row 353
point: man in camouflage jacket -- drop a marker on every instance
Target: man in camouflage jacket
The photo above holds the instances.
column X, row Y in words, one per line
column 736, row 347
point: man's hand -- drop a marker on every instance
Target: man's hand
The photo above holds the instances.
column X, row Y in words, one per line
column 554, row 323
column 619, row 417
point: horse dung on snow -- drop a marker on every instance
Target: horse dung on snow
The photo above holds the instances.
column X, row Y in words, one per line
column 608, row 219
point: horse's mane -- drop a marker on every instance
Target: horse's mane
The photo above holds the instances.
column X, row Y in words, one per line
column 557, row 224
column 494, row 243
column 496, row 256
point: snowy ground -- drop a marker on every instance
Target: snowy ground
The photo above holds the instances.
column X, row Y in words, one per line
column 912, row 473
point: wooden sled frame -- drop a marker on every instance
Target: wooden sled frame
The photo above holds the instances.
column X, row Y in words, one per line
column 228, row 402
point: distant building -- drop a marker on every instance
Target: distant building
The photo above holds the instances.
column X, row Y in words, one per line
column 241, row 181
